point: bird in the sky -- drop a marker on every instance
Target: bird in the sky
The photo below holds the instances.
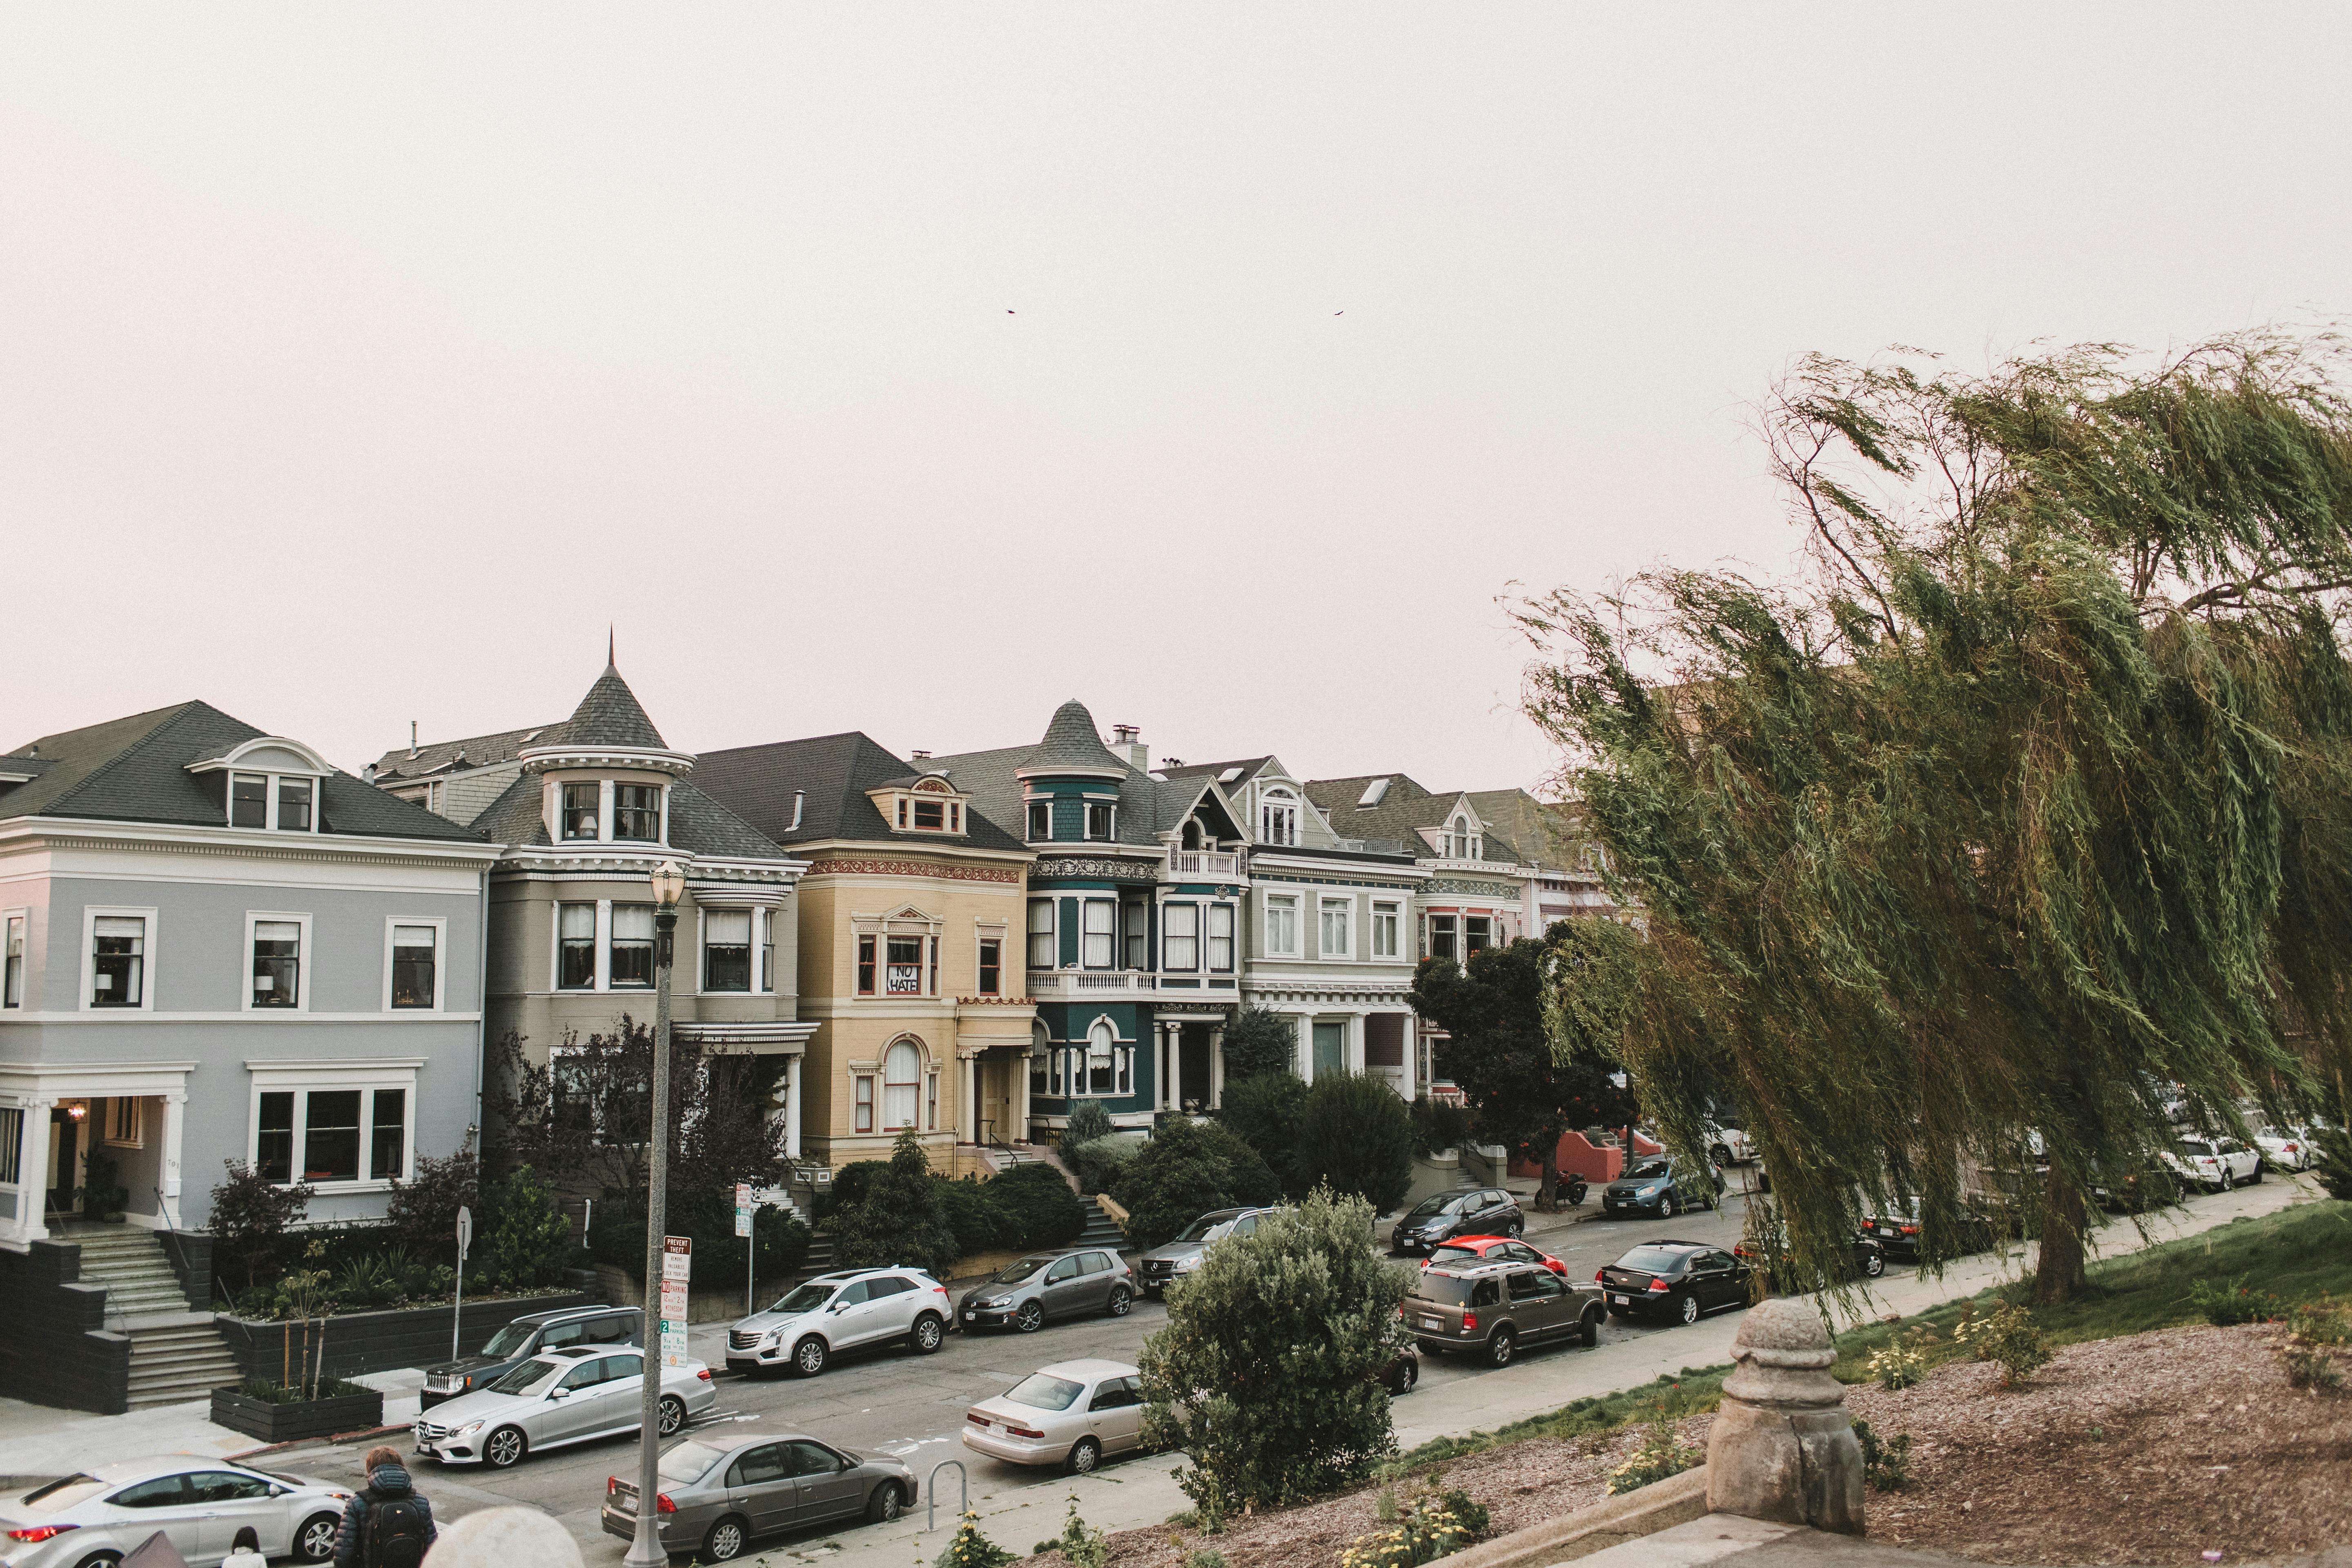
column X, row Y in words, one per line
column 1339, row 313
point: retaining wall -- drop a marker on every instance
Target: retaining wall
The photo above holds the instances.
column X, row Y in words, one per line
column 55, row 1347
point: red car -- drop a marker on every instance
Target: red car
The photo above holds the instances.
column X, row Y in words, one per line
column 1462, row 1250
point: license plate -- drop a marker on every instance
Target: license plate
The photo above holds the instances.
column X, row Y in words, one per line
column 1886, row 1230
column 969, row 1314
column 1622, row 1300
column 1431, row 1323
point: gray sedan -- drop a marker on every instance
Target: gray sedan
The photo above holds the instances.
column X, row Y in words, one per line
column 1051, row 1285
column 717, row 1496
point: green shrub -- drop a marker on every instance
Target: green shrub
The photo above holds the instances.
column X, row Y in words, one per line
column 1267, row 1372
column 970, row 1549
column 1884, row 1465
column 1263, row 1112
column 1089, row 1120
column 423, row 1212
column 979, row 1221
column 1356, row 1136
column 1257, row 1042
column 522, row 1240
column 1038, row 1203
column 2309, row 1366
column 1439, row 1124
column 1186, row 1170
column 901, row 1219
column 1085, row 1546
column 1097, row 1162
column 1204, row 1557
column 1662, row 1453
column 1898, row 1366
column 2009, row 1336
column 2234, row 1301
column 252, row 1219
column 1434, row 1527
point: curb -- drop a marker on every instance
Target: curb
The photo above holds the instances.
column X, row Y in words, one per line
column 328, row 1442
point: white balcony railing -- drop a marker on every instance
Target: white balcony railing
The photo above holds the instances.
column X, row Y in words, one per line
column 1200, row 863
column 1072, row 982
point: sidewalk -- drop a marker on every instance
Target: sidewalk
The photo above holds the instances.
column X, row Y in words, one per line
column 43, row 1441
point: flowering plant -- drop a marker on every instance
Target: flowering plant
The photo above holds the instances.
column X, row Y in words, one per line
column 1663, row 1453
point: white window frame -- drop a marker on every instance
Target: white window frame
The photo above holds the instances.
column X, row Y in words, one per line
column 1168, row 936
column 923, row 1068
column 1387, row 915
column 702, row 949
column 1326, row 909
column 1088, row 935
column 1286, row 904
column 90, row 918
column 1278, row 819
column 1211, row 936
column 304, row 1078
column 1051, row 933
column 987, row 931
column 305, row 973
column 17, row 924
column 1029, row 809
column 1109, row 809
column 440, row 924
column 271, row 783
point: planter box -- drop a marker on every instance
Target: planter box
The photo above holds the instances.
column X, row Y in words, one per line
column 293, row 1423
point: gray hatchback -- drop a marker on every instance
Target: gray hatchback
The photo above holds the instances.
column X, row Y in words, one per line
column 1051, row 1285
column 716, row 1496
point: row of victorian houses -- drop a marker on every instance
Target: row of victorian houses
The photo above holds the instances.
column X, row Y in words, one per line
column 220, row 948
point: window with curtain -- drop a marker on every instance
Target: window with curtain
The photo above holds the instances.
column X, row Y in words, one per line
column 414, row 950
column 636, row 813
column 117, row 961
column 904, row 971
column 277, row 962
column 1282, row 925
column 1101, row 943
column 633, row 945
column 902, row 1082
column 1102, row 1060
column 727, row 950
column 12, row 1143
column 582, row 809
column 1136, row 917
column 1221, row 938
column 1331, row 932
column 1041, row 933
column 1181, row 924
column 575, row 938
column 862, row 1118
column 12, row 963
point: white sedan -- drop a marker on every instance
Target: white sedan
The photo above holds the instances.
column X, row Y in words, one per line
column 2217, row 1164
column 575, row 1394
column 102, row 1515
column 1070, row 1414
column 2286, row 1148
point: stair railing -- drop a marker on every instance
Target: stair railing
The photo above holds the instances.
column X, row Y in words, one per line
column 171, row 1233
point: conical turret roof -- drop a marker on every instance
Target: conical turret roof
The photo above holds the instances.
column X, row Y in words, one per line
column 610, row 715
column 1072, row 741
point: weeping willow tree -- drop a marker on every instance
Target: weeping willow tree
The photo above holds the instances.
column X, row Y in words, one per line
column 2027, row 800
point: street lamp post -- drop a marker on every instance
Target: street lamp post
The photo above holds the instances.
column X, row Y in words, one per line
column 645, row 1550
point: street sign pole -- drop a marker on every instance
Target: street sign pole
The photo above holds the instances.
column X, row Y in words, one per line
column 465, row 1244
column 750, row 1246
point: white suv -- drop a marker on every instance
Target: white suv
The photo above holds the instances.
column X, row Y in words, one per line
column 2217, row 1164
column 855, row 1310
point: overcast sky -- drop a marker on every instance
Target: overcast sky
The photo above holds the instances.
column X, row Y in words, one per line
column 912, row 369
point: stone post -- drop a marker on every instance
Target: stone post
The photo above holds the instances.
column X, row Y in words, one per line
column 1783, row 1447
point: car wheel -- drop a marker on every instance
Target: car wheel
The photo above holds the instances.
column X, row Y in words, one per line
column 1589, row 1332
column 670, row 1414
column 504, row 1446
column 1499, row 1346
column 1121, row 1300
column 1688, row 1310
column 1030, row 1317
column 725, row 1541
column 1515, row 1228
column 1085, row 1455
column 1408, row 1373
column 1873, row 1264
column 928, row 1334
column 99, row 1560
column 315, row 1542
column 1720, row 1153
column 884, row 1505
column 2257, row 1175
column 1666, row 1206
column 808, row 1356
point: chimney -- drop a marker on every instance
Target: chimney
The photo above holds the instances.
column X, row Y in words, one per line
column 920, row 756
column 367, row 774
column 411, row 737
column 1127, row 744
column 798, row 797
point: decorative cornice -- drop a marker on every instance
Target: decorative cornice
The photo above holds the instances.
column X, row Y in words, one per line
column 844, row 866
column 1468, row 889
column 1098, row 870
column 189, row 838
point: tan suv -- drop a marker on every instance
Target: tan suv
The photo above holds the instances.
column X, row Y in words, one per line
column 1494, row 1307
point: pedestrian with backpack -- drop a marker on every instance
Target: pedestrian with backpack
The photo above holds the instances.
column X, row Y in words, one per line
column 387, row 1523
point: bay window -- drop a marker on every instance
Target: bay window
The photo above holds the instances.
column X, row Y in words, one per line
column 1282, row 925
column 1440, row 936
column 332, row 1135
column 1101, row 934
column 631, row 963
column 1041, row 821
column 117, row 961
column 1041, row 933
column 1384, row 931
column 415, row 969
column 575, row 947
column 1476, row 934
column 636, row 813
column 865, row 945
column 1138, row 919
column 767, row 951
column 904, row 967
column 727, row 950
column 1220, row 939
column 582, row 813
column 1181, row 924
column 1331, row 928
column 276, row 963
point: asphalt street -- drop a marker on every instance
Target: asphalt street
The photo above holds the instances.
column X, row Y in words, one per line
column 912, row 1407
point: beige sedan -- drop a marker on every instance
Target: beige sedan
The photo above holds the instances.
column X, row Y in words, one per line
column 1071, row 1414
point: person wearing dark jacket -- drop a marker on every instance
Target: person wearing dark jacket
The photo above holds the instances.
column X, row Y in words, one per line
column 387, row 1480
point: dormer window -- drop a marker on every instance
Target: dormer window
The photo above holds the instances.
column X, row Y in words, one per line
column 270, row 783
column 251, row 798
column 248, row 800
column 929, row 804
column 636, row 813
column 1102, row 820
column 1278, row 819
column 582, row 811
column 294, row 798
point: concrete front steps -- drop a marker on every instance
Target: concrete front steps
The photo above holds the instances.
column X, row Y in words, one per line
column 1101, row 1230
column 173, row 1362
column 132, row 1265
column 176, row 1354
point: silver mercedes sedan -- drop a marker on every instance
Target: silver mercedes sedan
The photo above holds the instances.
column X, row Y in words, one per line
column 719, row 1493
column 570, row 1395
column 104, row 1513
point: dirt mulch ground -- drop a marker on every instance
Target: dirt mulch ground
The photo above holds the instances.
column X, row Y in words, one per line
column 2150, row 1449
column 2154, row 1448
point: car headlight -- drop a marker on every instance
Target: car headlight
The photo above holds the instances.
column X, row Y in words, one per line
column 468, row 1430
column 994, row 1303
column 1652, row 1191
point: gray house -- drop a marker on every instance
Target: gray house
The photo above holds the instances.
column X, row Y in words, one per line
column 218, row 948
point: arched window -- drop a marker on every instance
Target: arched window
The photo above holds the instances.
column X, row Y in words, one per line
column 902, row 1086
column 1277, row 817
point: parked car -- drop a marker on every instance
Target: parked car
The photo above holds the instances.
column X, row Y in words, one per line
column 719, row 1495
column 1163, row 1265
column 101, row 1514
column 1464, row 1250
column 526, row 1336
column 1677, row 1281
column 1899, row 1227
column 1659, row 1185
column 2135, row 1191
column 1727, row 1145
column 851, row 1310
column 1403, row 1374
column 1474, row 1211
column 2288, row 1148
column 1071, row 1414
column 571, row 1395
column 1493, row 1308
column 1769, row 1260
column 2217, row 1164
column 1047, row 1285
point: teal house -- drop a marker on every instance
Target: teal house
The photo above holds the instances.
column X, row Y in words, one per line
column 1132, row 918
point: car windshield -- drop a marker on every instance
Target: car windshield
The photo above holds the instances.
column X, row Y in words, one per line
column 62, row 1494
column 1042, row 1390
column 1445, row 1289
column 1020, row 1271
column 806, row 1297
column 529, row 1378
column 1654, row 1167
column 688, row 1461
column 1441, row 1204
column 1453, row 1253
column 2196, row 1150
column 510, row 1340
column 1201, row 1227
column 1652, row 1260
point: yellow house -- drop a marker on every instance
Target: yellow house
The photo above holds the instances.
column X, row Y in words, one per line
column 910, row 924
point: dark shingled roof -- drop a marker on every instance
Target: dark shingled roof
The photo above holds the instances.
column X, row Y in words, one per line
column 1072, row 741
column 1248, row 767
column 1147, row 808
column 136, row 770
column 831, row 773
column 1406, row 808
column 697, row 824
column 609, row 716
column 473, row 752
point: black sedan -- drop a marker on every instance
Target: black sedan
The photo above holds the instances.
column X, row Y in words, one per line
column 1869, row 1261
column 1677, row 1281
column 1899, row 1226
column 1474, row 1211
column 1661, row 1186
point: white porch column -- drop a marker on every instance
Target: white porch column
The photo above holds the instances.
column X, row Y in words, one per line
column 1021, row 1095
column 1307, row 1047
column 1164, row 1037
column 1356, row 1041
column 33, row 1173
column 792, row 1105
column 1216, row 1067
column 1412, row 1062
column 176, row 1116
column 972, row 1099
column 758, row 945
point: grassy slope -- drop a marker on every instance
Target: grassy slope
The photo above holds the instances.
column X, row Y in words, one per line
column 2294, row 1254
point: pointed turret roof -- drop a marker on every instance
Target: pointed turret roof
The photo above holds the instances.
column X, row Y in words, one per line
column 1072, row 741
column 610, row 715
